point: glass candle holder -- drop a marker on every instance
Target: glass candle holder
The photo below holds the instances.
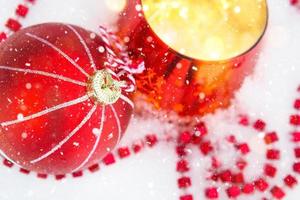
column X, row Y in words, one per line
column 197, row 52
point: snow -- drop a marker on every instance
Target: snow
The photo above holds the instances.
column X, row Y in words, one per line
column 267, row 94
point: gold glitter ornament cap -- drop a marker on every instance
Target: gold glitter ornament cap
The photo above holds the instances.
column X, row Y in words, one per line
column 103, row 88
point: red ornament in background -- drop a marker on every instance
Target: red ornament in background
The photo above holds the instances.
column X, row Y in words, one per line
column 176, row 82
column 64, row 97
column 294, row 2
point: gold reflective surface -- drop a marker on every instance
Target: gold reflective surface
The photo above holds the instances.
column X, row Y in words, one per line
column 207, row 29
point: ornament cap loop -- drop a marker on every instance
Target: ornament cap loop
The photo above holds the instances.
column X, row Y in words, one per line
column 103, row 88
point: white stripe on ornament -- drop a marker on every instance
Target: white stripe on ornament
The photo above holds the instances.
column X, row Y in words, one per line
column 43, row 73
column 59, row 51
column 127, row 100
column 96, row 143
column 87, row 50
column 118, row 123
column 44, row 112
column 66, row 139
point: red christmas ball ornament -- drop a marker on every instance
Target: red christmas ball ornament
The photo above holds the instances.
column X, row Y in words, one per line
column 65, row 97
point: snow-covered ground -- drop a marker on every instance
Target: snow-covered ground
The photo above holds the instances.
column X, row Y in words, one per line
column 267, row 94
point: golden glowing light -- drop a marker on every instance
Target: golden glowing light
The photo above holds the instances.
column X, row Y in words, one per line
column 207, row 29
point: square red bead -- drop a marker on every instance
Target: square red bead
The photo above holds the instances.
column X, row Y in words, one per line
column 201, row 129
column 7, row 163
column 238, row 178
column 186, row 197
column 248, row 188
column 94, row 168
column 271, row 138
column 185, row 137
column 277, row 192
column 297, row 152
column 212, row 193
column 296, row 136
column 206, row 147
column 22, row 10
column 109, row 159
column 77, row 174
column 296, row 167
column 259, row 125
column 233, row 191
column 214, row 177
column 295, row 120
column 182, row 166
column 184, row 182
column 180, row 150
column 244, row 121
column 24, row 171
column 151, row 140
column 273, row 154
column 13, row 24
column 137, row 147
column 261, row 185
column 290, row 181
column 123, row 152
column 270, row 170
column 243, row 148
column 42, row 176
column 226, row 176
column 60, row 176
column 231, row 139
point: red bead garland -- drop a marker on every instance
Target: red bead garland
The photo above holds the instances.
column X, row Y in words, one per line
column 270, row 171
column 13, row 24
column 237, row 187
column 227, row 176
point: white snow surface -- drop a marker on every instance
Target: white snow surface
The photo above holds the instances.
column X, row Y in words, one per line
column 151, row 175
